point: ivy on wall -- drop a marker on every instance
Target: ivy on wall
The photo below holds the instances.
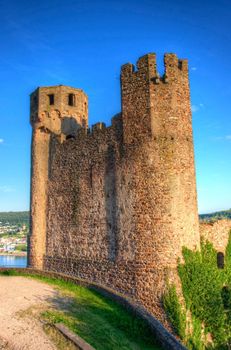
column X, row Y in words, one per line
column 207, row 294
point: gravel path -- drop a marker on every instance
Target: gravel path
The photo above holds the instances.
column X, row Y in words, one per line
column 19, row 298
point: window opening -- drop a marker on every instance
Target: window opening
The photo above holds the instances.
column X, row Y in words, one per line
column 71, row 100
column 69, row 137
column 220, row 260
column 51, row 99
column 226, row 297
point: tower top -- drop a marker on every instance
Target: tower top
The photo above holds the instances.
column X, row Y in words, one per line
column 147, row 67
column 59, row 109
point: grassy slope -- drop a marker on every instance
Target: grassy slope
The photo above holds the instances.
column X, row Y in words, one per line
column 101, row 322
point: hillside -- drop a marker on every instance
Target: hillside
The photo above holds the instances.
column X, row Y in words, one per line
column 224, row 214
column 14, row 217
column 22, row 217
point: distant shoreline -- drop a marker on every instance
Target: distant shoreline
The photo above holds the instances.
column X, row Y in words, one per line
column 13, row 254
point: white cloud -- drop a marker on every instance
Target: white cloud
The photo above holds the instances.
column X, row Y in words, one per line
column 194, row 68
column 6, row 189
column 224, row 138
column 1, row 140
column 194, row 108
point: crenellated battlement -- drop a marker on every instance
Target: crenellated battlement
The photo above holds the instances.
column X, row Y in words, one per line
column 152, row 104
column 97, row 133
column 146, row 66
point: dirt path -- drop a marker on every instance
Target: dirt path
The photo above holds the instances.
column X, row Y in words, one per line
column 18, row 329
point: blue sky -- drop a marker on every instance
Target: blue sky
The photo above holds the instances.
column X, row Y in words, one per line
column 83, row 44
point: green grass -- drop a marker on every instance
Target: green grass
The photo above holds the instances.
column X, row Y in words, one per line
column 100, row 321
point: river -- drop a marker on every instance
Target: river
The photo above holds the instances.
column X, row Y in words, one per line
column 13, row 261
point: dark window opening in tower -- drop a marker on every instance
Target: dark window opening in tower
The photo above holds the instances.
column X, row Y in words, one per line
column 226, row 297
column 71, row 100
column 69, row 137
column 51, row 99
column 220, row 260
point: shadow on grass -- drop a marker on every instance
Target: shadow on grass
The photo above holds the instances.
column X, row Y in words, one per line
column 102, row 322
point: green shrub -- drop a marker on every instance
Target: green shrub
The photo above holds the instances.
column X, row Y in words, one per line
column 174, row 310
column 207, row 294
column 21, row 247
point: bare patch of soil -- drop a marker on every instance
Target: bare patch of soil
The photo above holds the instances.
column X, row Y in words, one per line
column 21, row 301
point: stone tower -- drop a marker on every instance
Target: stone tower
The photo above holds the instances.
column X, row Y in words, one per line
column 157, row 121
column 157, row 126
column 57, row 110
column 115, row 205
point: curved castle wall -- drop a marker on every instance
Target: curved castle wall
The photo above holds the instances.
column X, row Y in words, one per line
column 119, row 202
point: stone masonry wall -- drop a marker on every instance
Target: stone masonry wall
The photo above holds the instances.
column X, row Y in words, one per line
column 217, row 233
column 39, row 177
column 56, row 116
column 121, row 201
column 93, row 226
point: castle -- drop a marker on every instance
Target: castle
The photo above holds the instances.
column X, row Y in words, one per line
column 115, row 205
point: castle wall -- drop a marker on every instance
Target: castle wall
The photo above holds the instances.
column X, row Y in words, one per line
column 217, row 233
column 121, row 201
column 94, row 228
